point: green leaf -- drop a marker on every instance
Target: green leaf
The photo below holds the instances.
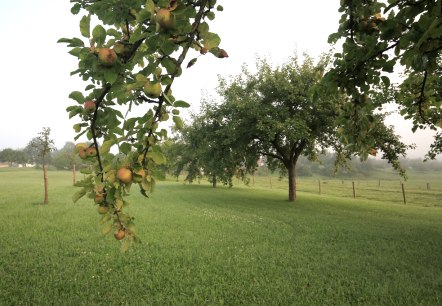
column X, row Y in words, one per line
column 76, row 9
column 125, row 246
column 153, row 185
column 220, row 8
column 78, row 195
column 85, row 26
column 210, row 15
column 125, row 148
column 110, row 75
column 106, row 230
column 157, row 157
column 178, row 122
column 77, row 128
column 386, row 81
column 150, row 7
column 99, row 35
column 64, row 40
column 211, row 40
column 106, row 146
column 77, row 96
column 85, row 171
column 181, row 103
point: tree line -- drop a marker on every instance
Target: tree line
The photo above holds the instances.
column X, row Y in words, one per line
column 61, row 159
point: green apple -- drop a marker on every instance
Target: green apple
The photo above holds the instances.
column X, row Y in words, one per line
column 152, row 90
column 165, row 19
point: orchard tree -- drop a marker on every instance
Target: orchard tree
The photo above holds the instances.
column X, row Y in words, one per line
column 131, row 53
column 376, row 36
column 12, row 156
column 206, row 147
column 282, row 113
column 43, row 146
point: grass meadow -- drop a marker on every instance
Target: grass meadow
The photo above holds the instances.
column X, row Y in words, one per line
column 205, row 246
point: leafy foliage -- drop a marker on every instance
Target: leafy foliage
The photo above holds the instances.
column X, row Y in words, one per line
column 11, row 156
column 42, row 146
column 135, row 50
column 283, row 113
column 379, row 35
column 207, row 148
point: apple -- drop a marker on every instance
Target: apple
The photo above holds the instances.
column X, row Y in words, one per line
column 90, row 106
column 82, row 153
column 152, row 90
column 373, row 152
column 107, row 56
column 165, row 19
column 80, row 146
column 124, row 175
column 99, row 198
column 122, row 49
column 91, row 152
column 102, row 209
column 120, row 234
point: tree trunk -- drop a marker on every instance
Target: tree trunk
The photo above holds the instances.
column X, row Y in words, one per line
column 292, row 180
column 74, row 174
column 45, row 178
column 214, row 181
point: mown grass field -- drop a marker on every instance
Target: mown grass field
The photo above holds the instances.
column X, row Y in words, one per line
column 240, row 246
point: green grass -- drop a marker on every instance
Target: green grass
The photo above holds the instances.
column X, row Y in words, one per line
column 240, row 246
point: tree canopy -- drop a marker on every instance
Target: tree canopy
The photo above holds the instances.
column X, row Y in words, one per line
column 379, row 36
column 281, row 114
column 207, row 148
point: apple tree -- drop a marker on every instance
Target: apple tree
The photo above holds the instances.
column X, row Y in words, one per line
column 378, row 38
column 43, row 145
column 130, row 53
column 283, row 113
column 206, row 148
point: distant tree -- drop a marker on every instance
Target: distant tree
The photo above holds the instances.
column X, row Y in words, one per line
column 206, row 148
column 378, row 36
column 7, row 156
column 282, row 113
column 12, row 156
column 67, row 158
column 42, row 146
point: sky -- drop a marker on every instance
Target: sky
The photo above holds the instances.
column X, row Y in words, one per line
column 35, row 71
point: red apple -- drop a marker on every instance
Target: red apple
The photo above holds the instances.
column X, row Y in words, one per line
column 107, row 56
column 124, row 175
column 90, row 106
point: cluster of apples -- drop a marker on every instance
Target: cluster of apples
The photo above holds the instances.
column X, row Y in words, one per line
column 85, row 151
column 371, row 24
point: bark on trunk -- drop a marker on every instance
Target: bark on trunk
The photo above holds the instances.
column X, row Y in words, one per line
column 214, row 181
column 45, row 178
column 292, row 181
column 74, row 174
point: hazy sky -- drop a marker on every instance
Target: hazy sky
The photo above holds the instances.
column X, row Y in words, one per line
column 35, row 80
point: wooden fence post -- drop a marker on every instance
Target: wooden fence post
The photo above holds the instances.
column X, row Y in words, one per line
column 319, row 184
column 403, row 194
column 354, row 192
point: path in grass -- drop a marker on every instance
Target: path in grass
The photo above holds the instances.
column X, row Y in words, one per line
column 203, row 246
